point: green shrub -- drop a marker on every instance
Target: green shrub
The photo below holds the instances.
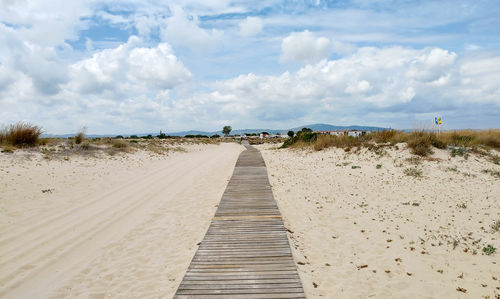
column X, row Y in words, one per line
column 305, row 135
column 489, row 250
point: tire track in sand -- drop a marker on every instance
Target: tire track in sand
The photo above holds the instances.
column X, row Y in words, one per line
column 34, row 258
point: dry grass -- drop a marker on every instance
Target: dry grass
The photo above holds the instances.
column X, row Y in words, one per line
column 420, row 142
column 20, row 134
column 254, row 141
column 80, row 135
column 324, row 141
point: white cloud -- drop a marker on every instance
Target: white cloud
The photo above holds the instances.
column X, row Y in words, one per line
column 371, row 79
column 45, row 23
column 184, row 30
column 40, row 63
column 343, row 48
column 304, row 47
column 127, row 89
column 128, row 67
column 358, row 87
column 472, row 47
column 141, row 84
column 250, row 26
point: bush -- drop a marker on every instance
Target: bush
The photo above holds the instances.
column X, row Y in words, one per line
column 420, row 143
column 327, row 140
column 119, row 144
column 305, row 136
column 80, row 136
column 383, row 136
column 215, row 136
column 20, row 134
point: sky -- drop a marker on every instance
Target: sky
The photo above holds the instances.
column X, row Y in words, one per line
column 135, row 66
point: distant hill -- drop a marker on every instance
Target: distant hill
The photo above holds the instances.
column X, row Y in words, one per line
column 314, row 127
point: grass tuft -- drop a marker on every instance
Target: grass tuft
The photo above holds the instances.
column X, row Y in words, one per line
column 413, row 171
column 489, row 250
column 80, row 135
column 20, row 134
column 420, row 142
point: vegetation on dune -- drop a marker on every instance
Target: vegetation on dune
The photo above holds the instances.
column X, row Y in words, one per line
column 20, row 134
column 81, row 135
column 420, row 142
column 303, row 137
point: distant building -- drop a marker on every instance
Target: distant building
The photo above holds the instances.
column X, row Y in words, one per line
column 353, row 133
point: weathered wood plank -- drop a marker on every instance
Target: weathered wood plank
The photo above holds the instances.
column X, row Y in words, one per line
column 241, row 281
column 246, row 296
column 239, row 291
column 245, row 252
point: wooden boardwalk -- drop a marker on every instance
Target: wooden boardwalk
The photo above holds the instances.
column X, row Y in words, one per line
column 245, row 252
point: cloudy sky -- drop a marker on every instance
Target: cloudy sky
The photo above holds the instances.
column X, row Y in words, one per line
column 139, row 66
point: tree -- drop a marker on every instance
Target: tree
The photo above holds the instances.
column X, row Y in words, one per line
column 226, row 130
column 162, row 135
column 291, row 133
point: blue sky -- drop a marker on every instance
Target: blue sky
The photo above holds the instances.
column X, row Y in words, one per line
column 135, row 66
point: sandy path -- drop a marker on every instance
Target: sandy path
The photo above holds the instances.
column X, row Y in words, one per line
column 132, row 238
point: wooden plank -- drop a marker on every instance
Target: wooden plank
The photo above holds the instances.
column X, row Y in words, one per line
column 245, row 252
column 240, row 291
column 240, row 277
column 241, row 281
column 244, row 296
column 238, row 286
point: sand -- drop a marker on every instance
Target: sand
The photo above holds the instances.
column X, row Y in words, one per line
column 373, row 232
column 121, row 226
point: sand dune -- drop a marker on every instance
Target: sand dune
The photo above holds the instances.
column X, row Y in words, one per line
column 124, row 226
column 365, row 232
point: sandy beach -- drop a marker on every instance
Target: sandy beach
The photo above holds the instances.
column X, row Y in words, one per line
column 364, row 224
column 120, row 226
column 361, row 228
